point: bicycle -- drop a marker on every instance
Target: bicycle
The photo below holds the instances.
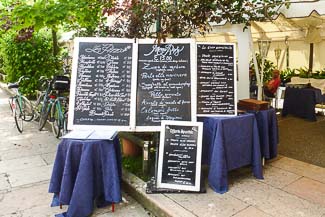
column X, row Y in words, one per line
column 59, row 113
column 20, row 106
column 44, row 102
column 59, row 107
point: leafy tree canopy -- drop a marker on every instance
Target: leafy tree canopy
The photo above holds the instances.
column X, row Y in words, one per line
column 132, row 18
column 180, row 18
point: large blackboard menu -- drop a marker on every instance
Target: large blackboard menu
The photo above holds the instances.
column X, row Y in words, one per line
column 164, row 83
column 216, row 77
column 101, row 83
column 179, row 162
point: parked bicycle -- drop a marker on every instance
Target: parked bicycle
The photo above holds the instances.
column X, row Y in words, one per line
column 59, row 110
column 20, row 106
column 59, row 113
column 44, row 102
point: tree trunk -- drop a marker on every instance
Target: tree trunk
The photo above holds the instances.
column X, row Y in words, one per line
column 55, row 43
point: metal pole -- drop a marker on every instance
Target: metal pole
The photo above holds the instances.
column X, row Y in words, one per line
column 145, row 157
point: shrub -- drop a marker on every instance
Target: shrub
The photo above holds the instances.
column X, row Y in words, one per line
column 32, row 58
column 286, row 74
column 268, row 67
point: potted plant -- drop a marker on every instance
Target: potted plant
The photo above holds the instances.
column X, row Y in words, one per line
column 286, row 75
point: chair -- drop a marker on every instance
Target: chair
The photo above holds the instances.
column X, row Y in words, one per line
column 321, row 106
column 277, row 100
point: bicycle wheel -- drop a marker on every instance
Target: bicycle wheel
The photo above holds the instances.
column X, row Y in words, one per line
column 26, row 109
column 65, row 124
column 11, row 101
column 57, row 119
column 38, row 106
column 43, row 115
column 18, row 117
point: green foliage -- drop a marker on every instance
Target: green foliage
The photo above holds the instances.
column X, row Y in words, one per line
column 303, row 72
column 31, row 58
column 134, row 165
column 181, row 18
column 269, row 66
column 319, row 74
column 286, row 74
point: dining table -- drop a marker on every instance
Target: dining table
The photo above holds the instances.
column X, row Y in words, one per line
column 267, row 124
column 86, row 173
column 301, row 102
column 230, row 143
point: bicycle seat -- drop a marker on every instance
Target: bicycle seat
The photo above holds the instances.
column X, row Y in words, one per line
column 13, row 85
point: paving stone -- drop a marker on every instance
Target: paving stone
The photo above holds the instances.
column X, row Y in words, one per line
column 21, row 163
column 274, row 201
column 43, row 211
column 15, row 135
column 155, row 202
column 301, row 168
column 308, row 189
column 49, row 157
column 4, row 183
column 44, row 138
column 14, row 214
column 209, row 204
column 30, row 175
column 251, row 212
column 20, row 152
column 25, row 198
column 128, row 208
column 277, row 177
column 14, row 144
column 28, row 151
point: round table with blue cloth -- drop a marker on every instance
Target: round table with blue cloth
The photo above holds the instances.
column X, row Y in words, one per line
column 86, row 172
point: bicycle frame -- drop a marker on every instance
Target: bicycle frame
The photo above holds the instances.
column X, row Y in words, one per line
column 20, row 106
column 58, row 114
column 12, row 101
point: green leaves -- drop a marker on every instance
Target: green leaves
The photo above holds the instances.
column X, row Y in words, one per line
column 181, row 18
column 31, row 58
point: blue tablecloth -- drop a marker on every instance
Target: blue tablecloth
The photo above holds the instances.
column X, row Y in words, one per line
column 301, row 102
column 267, row 125
column 86, row 171
column 230, row 143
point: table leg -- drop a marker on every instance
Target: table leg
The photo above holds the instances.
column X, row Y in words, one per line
column 113, row 207
column 263, row 161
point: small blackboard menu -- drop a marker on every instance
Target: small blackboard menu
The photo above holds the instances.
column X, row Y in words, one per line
column 101, row 83
column 164, row 83
column 179, row 162
column 216, row 79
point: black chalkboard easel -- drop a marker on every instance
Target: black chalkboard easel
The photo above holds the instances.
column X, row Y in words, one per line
column 216, row 79
column 179, row 161
column 165, row 81
column 101, row 87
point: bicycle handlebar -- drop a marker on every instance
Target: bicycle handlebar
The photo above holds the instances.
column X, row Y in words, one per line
column 22, row 78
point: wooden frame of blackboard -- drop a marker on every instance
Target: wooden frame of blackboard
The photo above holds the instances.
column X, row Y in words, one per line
column 77, row 41
column 197, row 186
column 193, row 74
column 234, row 80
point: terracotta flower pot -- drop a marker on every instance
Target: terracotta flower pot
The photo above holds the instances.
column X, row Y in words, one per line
column 130, row 148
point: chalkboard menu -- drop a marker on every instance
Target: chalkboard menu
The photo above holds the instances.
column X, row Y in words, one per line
column 179, row 163
column 164, row 83
column 216, row 77
column 101, row 83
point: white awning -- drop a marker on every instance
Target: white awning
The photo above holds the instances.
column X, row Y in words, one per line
column 303, row 20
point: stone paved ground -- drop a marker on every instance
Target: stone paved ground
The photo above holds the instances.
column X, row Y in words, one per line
column 26, row 162
column 290, row 188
